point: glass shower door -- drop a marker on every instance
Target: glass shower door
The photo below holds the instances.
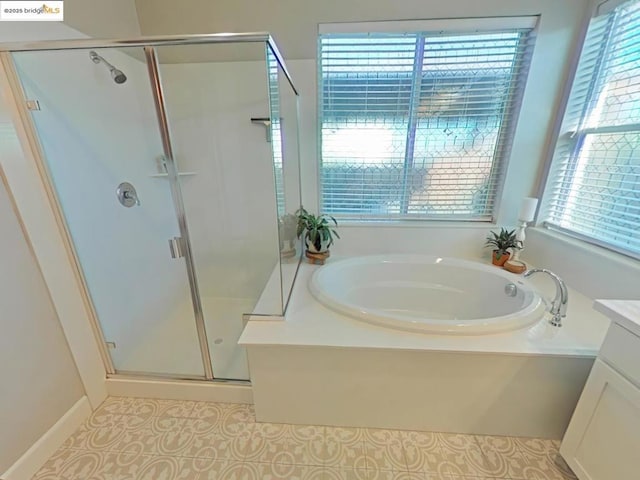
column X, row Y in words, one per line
column 217, row 104
column 99, row 134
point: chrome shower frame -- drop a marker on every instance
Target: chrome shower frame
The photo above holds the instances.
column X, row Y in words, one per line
column 152, row 41
column 147, row 44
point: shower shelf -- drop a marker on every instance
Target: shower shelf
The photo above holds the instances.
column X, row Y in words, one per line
column 180, row 174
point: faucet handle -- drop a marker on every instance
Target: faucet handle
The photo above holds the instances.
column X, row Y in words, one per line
column 556, row 320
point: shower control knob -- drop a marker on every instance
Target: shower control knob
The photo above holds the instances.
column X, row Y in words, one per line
column 127, row 195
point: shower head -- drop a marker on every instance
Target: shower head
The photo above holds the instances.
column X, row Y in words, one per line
column 117, row 75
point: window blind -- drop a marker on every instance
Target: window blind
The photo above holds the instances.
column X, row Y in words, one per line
column 418, row 125
column 275, row 129
column 593, row 188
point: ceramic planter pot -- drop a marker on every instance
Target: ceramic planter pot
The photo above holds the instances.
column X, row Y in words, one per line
column 499, row 259
column 311, row 248
column 315, row 256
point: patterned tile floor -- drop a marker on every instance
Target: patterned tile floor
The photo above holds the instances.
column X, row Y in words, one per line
column 133, row 438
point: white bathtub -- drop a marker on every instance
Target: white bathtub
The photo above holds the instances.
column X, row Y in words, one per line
column 317, row 366
column 428, row 294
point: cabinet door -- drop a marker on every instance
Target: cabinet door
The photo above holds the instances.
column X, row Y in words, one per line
column 603, row 438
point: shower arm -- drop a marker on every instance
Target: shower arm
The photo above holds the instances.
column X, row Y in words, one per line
column 96, row 58
column 117, row 74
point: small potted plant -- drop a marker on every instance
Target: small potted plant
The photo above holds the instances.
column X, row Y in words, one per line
column 501, row 243
column 318, row 234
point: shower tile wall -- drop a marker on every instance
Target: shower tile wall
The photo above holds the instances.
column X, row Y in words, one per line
column 231, row 219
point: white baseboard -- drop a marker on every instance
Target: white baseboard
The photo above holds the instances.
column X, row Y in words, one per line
column 180, row 390
column 34, row 458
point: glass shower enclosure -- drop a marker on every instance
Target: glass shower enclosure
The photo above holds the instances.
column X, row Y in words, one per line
column 175, row 165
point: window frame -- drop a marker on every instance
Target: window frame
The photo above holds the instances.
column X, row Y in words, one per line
column 575, row 138
column 507, row 130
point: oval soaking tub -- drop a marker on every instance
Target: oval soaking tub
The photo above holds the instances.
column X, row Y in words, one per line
column 428, row 294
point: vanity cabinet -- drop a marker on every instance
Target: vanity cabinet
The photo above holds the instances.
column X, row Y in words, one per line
column 602, row 441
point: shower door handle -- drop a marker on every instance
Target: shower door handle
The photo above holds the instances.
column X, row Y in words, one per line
column 175, row 247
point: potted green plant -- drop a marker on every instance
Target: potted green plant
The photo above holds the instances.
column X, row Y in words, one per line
column 318, row 232
column 501, row 243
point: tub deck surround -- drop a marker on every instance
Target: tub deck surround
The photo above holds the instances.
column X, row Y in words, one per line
column 428, row 294
column 318, row 366
column 309, row 323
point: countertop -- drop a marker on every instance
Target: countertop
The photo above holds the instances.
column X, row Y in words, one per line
column 308, row 323
column 624, row 312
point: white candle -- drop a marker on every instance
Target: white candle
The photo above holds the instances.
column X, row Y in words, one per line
column 528, row 209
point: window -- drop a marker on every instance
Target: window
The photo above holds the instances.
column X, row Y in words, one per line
column 418, row 125
column 274, row 132
column 593, row 189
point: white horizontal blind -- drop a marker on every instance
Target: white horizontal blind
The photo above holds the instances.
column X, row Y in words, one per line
column 275, row 129
column 418, row 125
column 593, row 190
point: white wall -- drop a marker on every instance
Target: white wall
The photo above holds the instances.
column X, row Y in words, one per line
column 39, row 378
column 294, row 24
column 82, row 18
column 36, row 31
column 40, row 381
column 592, row 270
column 100, row 19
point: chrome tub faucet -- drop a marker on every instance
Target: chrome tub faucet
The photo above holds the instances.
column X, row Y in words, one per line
column 558, row 308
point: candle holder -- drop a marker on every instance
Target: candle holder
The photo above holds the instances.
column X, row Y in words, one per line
column 520, row 237
column 527, row 214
